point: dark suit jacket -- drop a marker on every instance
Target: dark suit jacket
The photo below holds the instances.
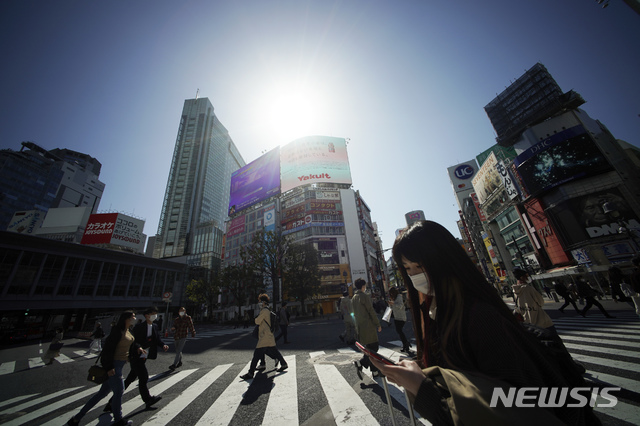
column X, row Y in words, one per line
column 151, row 343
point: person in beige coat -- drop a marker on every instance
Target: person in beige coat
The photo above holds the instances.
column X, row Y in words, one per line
column 266, row 341
column 367, row 326
column 530, row 302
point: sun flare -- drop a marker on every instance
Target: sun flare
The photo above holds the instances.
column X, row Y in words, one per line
column 293, row 113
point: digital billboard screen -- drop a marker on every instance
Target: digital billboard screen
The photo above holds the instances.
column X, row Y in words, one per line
column 564, row 157
column 583, row 218
column 255, row 182
column 314, row 159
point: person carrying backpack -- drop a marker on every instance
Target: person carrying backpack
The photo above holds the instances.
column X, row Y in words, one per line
column 266, row 341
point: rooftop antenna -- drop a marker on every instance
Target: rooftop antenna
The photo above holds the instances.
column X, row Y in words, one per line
column 197, row 91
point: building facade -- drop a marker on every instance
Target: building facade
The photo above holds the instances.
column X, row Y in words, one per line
column 303, row 190
column 197, row 194
column 559, row 195
column 46, row 283
column 38, row 179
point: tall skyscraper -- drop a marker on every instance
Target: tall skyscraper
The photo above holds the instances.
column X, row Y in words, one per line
column 197, row 195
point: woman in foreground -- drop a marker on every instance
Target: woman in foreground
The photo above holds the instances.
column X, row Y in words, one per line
column 469, row 343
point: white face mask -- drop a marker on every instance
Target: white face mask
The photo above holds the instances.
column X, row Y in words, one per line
column 421, row 283
column 182, row 314
column 153, row 317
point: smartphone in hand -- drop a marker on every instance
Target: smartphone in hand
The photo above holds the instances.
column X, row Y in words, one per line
column 375, row 355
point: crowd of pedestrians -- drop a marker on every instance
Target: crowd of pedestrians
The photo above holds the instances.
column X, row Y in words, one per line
column 468, row 341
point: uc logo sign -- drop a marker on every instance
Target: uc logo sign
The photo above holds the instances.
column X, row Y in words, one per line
column 464, row 171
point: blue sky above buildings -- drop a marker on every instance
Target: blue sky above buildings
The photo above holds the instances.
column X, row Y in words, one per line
column 405, row 81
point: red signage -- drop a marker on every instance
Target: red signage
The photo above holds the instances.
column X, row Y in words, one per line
column 100, row 228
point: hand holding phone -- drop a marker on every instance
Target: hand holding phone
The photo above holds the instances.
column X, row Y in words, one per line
column 374, row 355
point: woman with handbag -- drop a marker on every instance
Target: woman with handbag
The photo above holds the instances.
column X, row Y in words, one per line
column 113, row 358
column 469, row 343
column 54, row 347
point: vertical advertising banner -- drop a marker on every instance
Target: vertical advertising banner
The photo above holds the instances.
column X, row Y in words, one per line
column 314, row 159
column 127, row 232
column 488, row 179
column 270, row 217
column 460, row 175
column 255, row 182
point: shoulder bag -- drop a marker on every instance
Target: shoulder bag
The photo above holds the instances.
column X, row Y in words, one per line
column 97, row 373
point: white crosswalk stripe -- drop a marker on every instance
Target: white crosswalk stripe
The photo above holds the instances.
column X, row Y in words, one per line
column 611, row 360
column 7, row 367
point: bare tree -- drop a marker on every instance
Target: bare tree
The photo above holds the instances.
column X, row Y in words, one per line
column 265, row 255
column 203, row 290
column 301, row 273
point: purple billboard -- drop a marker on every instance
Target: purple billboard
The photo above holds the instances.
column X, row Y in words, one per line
column 255, row 182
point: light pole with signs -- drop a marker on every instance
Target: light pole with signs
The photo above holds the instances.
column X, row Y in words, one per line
column 166, row 297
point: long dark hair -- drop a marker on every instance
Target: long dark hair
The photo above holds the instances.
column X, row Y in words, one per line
column 121, row 325
column 455, row 282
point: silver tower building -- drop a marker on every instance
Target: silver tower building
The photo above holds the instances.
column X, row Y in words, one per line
column 197, row 195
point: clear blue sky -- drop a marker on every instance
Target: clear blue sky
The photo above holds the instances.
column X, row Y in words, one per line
column 405, row 81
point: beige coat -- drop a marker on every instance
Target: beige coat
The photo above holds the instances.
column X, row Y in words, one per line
column 265, row 336
column 367, row 322
column 530, row 303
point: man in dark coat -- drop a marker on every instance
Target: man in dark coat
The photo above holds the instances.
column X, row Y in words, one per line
column 147, row 335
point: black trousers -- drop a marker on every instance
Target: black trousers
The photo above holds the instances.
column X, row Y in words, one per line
column 569, row 300
column 139, row 371
column 259, row 353
column 365, row 359
column 592, row 301
column 283, row 333
column 399, row 326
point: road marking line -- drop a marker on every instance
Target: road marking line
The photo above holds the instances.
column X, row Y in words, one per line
column 36, row 362
column 345, row 404
column 570, row 330
column 37, row 401
column 623, row 382
column 67, row 401
column 164, row 416
column 7, row 367
column 63, row 359
column 222, row 410
column 84, row 354
column 133, row 404
column 610, row 351
column 315, row 354
column 600, row 341
column 282, row 407
column 16, row 399
column 622, row 365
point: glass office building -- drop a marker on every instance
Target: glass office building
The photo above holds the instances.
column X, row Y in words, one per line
column 197, row 194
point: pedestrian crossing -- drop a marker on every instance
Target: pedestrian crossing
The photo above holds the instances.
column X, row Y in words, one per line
column 67, row 355
column 326, row 381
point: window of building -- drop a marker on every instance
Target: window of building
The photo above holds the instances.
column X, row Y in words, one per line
column 122, row 280
column 26, row 273
column 89, row 278
column 136, row 281
column 50, row 273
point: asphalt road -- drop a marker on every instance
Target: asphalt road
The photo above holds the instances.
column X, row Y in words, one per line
column 320, row 381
